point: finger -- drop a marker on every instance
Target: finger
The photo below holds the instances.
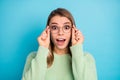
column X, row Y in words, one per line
column 80, row 39
column 78, row 33
column 73, row 41
column 43, row 37
column 45, row 31
column 73, row 34
column 77, row 37
column 48, row 33
column 47, row 27
column 75, row 27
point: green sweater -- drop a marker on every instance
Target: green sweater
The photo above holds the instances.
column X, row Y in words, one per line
column 81, row 66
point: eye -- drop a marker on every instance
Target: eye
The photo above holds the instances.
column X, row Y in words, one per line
column 54, row 27
column 67, row 27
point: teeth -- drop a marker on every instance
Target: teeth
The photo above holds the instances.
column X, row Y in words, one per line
column 60, row 39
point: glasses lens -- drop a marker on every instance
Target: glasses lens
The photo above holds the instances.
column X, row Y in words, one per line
column 54, row 29
column 66, row 28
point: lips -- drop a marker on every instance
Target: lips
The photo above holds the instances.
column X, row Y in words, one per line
column 60, row 41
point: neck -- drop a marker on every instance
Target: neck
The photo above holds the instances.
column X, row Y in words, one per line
column 61, row 51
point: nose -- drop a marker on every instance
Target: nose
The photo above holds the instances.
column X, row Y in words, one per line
column 60, row 31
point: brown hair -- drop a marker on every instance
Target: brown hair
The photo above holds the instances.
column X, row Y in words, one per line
column 61, row 12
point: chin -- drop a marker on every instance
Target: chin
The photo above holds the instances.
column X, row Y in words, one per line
column 61, row 47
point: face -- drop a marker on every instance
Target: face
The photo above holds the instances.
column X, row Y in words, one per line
column 60, row 29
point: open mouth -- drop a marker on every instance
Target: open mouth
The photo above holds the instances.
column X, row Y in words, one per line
column 60, row 41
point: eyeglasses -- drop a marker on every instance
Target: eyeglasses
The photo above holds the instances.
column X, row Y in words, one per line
column 65, row 29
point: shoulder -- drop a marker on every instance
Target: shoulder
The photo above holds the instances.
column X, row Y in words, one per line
column 31, row 56
column 88, row 57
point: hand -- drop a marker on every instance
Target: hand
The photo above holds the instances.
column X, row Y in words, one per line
column 77, row 37
column 44, row 38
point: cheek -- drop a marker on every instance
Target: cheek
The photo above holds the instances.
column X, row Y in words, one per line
column 52, row 36
column 69, row 36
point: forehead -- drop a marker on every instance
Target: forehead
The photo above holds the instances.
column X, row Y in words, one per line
column 60, row 20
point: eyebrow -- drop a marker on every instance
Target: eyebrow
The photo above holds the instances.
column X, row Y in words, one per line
column 53, row 23
column 67, row 23
column 64, row 23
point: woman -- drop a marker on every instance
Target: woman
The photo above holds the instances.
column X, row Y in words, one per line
column 60, row 55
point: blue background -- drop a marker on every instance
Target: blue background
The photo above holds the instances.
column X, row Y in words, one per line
column 21, row 22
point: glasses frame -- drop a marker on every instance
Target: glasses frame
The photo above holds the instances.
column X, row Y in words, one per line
column 62, row 29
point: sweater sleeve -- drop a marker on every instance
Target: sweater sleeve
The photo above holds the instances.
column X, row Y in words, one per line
column 36, row 66
column 83, row 64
